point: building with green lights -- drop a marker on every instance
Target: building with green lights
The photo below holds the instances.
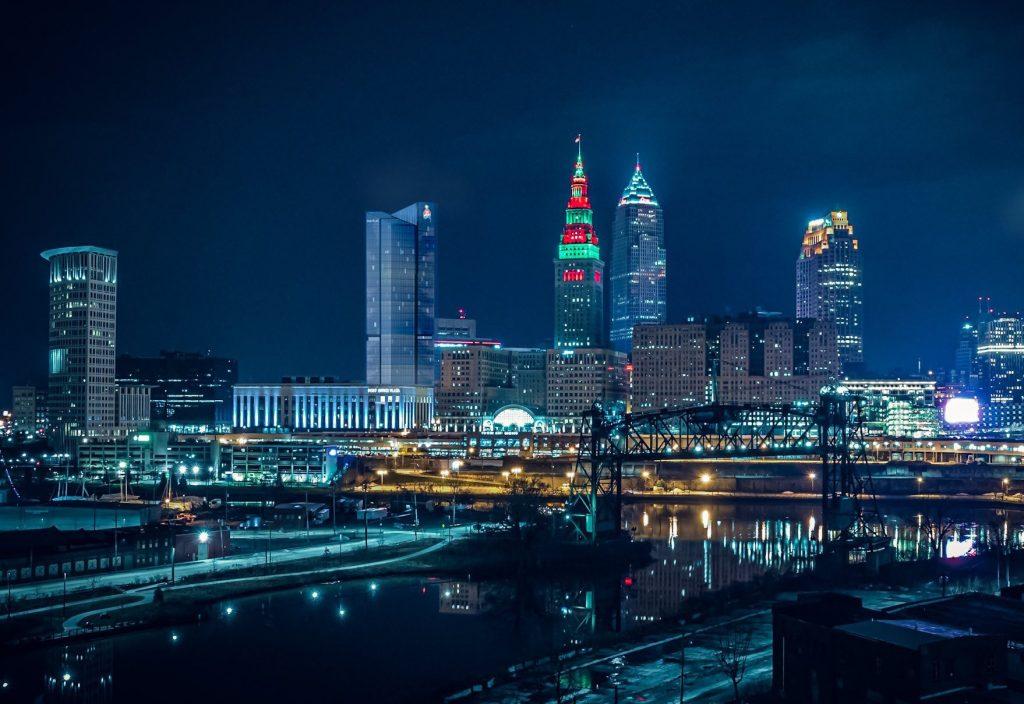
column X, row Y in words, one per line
column 579, row 271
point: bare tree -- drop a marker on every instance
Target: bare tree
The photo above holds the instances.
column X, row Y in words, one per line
column 731, row 650
column 522, row 496
column 937, row 525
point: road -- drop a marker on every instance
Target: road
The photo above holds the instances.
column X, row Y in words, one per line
column 648, row 670
column 387, row 537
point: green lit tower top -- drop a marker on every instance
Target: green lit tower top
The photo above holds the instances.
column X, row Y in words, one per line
column 579, row 271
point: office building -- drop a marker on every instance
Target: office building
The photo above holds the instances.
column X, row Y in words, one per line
column 401, row 285
column 638, row 262
column 579, row 378
column 1000, row 359
column 902, row 408
column 314, row 404
column 579, row 271
column 829, row 282
column 966, row 373
column 82, row 340
column 752, row 358
column 190, row 391
column 477, row 382
column 23, row 405
column 460, row 328
column 133, row 408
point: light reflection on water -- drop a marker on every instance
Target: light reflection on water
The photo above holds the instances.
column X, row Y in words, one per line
column 357, row 630
column 704, row 548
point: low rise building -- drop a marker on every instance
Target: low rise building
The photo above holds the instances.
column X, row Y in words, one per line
column 315, row 404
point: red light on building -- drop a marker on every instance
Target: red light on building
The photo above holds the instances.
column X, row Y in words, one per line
column 627, row 582
column 573, row 275
column 597, row 276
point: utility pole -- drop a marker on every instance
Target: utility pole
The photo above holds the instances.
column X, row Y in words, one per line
column 366, row 521
column 307, row 515
column 682, row 670
column 334, row 510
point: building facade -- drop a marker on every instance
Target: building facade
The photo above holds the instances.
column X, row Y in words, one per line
column 1000, row 359
column 190, row 391
column 23, row 405
column 477, row 382
column 829, row 281
column 401, row 286
column 316, row 405
column 133, row 408
column 579, row 271
column 82, row 342
column 579, row 378
column 754, row 358
column 638, row 263
column 903, row 408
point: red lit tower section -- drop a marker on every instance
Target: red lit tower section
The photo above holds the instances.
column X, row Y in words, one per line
column 579, row 271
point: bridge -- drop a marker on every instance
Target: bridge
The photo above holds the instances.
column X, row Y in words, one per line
column 830, row 430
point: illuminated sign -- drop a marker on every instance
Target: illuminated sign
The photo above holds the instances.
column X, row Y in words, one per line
column 962, row 411
column 426, row 212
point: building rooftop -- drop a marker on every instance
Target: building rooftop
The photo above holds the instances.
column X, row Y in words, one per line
column 50, row 253
column 906, row 633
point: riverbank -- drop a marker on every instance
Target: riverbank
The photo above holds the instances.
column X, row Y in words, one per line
column 190, row 599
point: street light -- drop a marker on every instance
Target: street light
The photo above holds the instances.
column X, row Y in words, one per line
column 705, row 478
column 382, row 473
column 506, row 474
column 812, row 476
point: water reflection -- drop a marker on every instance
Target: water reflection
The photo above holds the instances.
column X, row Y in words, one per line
column 448, row 633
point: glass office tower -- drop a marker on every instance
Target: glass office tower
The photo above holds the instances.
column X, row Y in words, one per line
column 83, row 335
column 829, row 284
column 401, row 285
column 638, row 262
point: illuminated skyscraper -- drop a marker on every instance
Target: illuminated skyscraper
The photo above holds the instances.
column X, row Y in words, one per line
column 579, row 271
column 828, row 284
column 83, row 334
column 401, row 285
column 638, row 262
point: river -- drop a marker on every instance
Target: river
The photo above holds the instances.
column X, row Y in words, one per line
column 408, row 640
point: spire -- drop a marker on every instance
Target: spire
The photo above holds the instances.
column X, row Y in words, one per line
column 637, row 190
column 578, row 238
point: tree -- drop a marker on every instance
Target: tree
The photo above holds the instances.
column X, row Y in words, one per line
column 521, row 496
column 731, row 650
column 937, row 525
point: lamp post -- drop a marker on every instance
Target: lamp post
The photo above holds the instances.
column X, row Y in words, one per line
column 382, row 473
column 812, row 476
column 1006, row 484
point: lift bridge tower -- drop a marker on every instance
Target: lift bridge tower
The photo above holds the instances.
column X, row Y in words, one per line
column 831, row 431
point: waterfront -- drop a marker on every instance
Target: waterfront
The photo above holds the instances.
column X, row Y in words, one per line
column 419, row 639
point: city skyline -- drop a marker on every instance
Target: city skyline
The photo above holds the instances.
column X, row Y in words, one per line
column 265, row 207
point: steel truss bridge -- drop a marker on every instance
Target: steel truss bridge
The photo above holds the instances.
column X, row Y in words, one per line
column 831, row 430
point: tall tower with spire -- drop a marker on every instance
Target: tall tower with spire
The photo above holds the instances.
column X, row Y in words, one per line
column 579, row 271
column 638, row 262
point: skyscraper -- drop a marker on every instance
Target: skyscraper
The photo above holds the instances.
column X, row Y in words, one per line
column 829, row 281
column 83, row 335
column 638, row 262
column 579, row 271
column 401, row 285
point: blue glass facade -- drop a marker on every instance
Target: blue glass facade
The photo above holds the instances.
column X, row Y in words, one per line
column 638, row 263
column 401, row 286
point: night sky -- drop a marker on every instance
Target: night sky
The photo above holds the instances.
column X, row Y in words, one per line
column 229, row 152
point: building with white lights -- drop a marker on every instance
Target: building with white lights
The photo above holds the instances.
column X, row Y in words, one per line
column 82, row 339
column 314, row 404
column 829, row 281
